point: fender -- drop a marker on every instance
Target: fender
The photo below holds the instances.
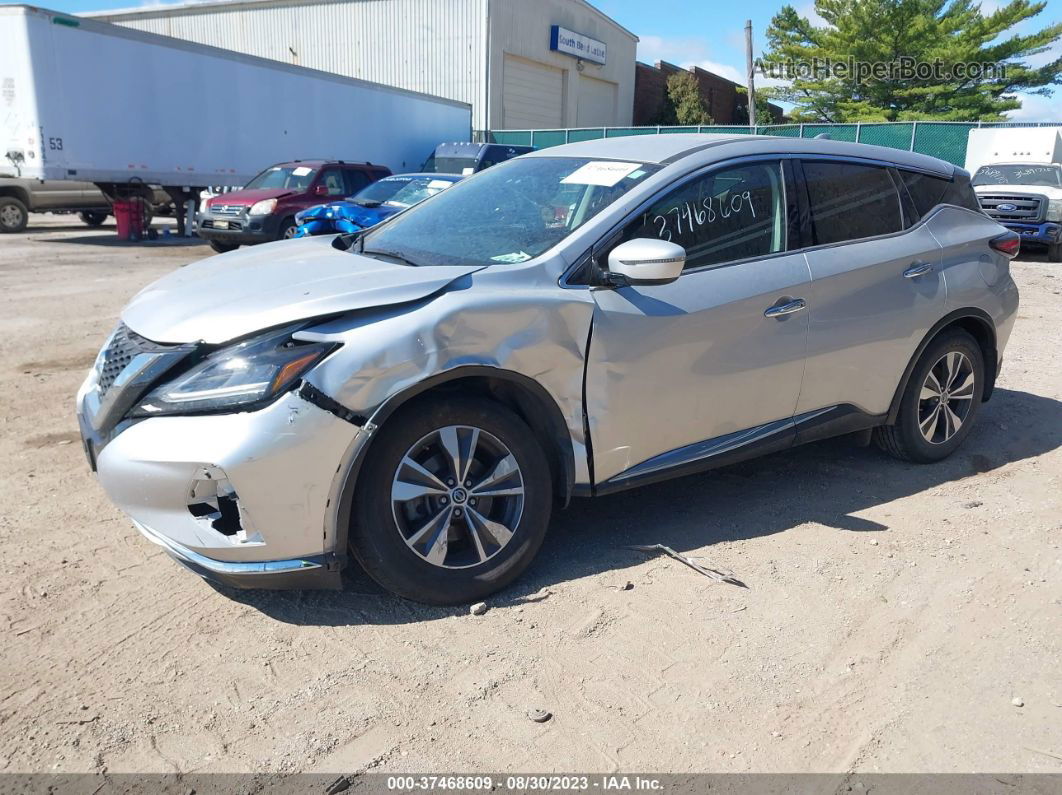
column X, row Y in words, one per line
column 20, row 193
column 530, row 396
column 983, row 319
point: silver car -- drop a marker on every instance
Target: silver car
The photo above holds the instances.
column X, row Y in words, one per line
column 573, row 322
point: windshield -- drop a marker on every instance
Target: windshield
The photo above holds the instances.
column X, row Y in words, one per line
column 1048, row 176
column 509, row 213
column 380, row 191
column 450, row 165
column 285, row 177
column 400, row 191
column 417, row 190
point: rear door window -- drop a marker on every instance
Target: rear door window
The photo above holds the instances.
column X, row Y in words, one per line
column 332, row 179
column 731, row 214
column 851, row 201
column 355, row 179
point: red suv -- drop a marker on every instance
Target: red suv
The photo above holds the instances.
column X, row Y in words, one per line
column 264, row 209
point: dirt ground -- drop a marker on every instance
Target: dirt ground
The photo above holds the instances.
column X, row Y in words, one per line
column 896, row 615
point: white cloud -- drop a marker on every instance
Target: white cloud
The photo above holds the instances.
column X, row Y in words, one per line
column 734, row 73
column 808, row 11
column 722, row 69
column 1053, row 53
column 1037, row 108
column 673, row 50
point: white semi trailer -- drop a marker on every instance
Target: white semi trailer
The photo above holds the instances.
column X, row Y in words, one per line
column 90, row 101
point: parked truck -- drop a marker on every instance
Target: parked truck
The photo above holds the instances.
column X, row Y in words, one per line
column 184, row 116
column 20, row 196
column 1017, row 175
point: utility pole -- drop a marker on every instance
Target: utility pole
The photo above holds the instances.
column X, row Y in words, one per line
column 750, row 74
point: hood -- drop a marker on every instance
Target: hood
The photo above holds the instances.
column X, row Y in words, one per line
column 1021, row 190
column 227, row 296
column 357, row 214
column 248, row 197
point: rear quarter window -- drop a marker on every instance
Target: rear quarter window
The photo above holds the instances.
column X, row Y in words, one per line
column 927, row 191
column 850, row 201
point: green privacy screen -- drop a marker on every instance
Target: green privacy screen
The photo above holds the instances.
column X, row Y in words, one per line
column 946, row 140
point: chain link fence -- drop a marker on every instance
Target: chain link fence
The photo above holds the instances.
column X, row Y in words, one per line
column 943, row 139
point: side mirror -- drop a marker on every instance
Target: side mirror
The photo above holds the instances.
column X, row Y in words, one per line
column 647, row 261
column 321, row 190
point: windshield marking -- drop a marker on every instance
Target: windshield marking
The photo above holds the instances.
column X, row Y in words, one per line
column 605, row 173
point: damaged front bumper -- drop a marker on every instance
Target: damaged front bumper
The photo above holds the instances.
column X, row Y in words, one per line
column 247, row 499
column 321, row 571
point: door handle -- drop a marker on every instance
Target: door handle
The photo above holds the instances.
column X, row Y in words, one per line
column 788, row 308
column 916, row 270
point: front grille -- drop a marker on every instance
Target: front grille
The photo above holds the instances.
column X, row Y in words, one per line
column 228, row 209
column 122, row 347
column 127, row 367
column 1015, row 207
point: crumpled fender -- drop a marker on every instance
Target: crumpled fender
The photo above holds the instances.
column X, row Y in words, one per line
column 525, row 329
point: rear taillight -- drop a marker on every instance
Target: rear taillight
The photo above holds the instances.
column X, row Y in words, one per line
column 1008, row 244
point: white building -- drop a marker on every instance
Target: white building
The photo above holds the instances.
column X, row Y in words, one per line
column 519, row 63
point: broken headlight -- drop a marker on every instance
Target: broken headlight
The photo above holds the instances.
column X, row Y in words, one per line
column 240, row 376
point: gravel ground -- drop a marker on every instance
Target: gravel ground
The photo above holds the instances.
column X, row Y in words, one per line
column 896, row 614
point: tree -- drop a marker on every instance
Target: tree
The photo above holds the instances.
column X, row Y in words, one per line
column 763, row 106
column 909, row 59
column 684, row 102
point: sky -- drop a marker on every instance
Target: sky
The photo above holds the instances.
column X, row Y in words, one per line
column 708, row 33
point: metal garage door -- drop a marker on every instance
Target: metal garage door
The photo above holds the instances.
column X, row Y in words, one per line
column 533, row 95
column 596, row 103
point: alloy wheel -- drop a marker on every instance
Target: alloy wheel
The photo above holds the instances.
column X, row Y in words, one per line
column 457, row 497
column 10, row 216
column 946, row 397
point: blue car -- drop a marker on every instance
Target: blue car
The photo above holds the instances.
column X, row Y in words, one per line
column 372, row 204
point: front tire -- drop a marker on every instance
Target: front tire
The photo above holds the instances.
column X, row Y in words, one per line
column 940, row 402
column 1054, row 252
column 223, row 248
column 453, row 502
column 287, row 230
column 13, row 214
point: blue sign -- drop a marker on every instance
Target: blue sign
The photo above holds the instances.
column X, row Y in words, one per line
column 571, row 43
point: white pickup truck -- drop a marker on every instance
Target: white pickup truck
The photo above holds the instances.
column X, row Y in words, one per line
column 1017, row 175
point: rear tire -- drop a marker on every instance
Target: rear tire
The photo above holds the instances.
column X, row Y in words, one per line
column 421, row 530
column 223, row 248
column 92, row 217
column 1054, row 252
column 940, row 403
column 13, row 214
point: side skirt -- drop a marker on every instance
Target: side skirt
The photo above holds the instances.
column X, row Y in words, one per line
column 731, row 448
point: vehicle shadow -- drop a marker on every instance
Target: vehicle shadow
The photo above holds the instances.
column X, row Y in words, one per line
column 73, row 226
column 1037, row 254
column 112, row 241
column 826, row 483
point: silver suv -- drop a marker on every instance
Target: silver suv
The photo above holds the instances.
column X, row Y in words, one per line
column 573, row 322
